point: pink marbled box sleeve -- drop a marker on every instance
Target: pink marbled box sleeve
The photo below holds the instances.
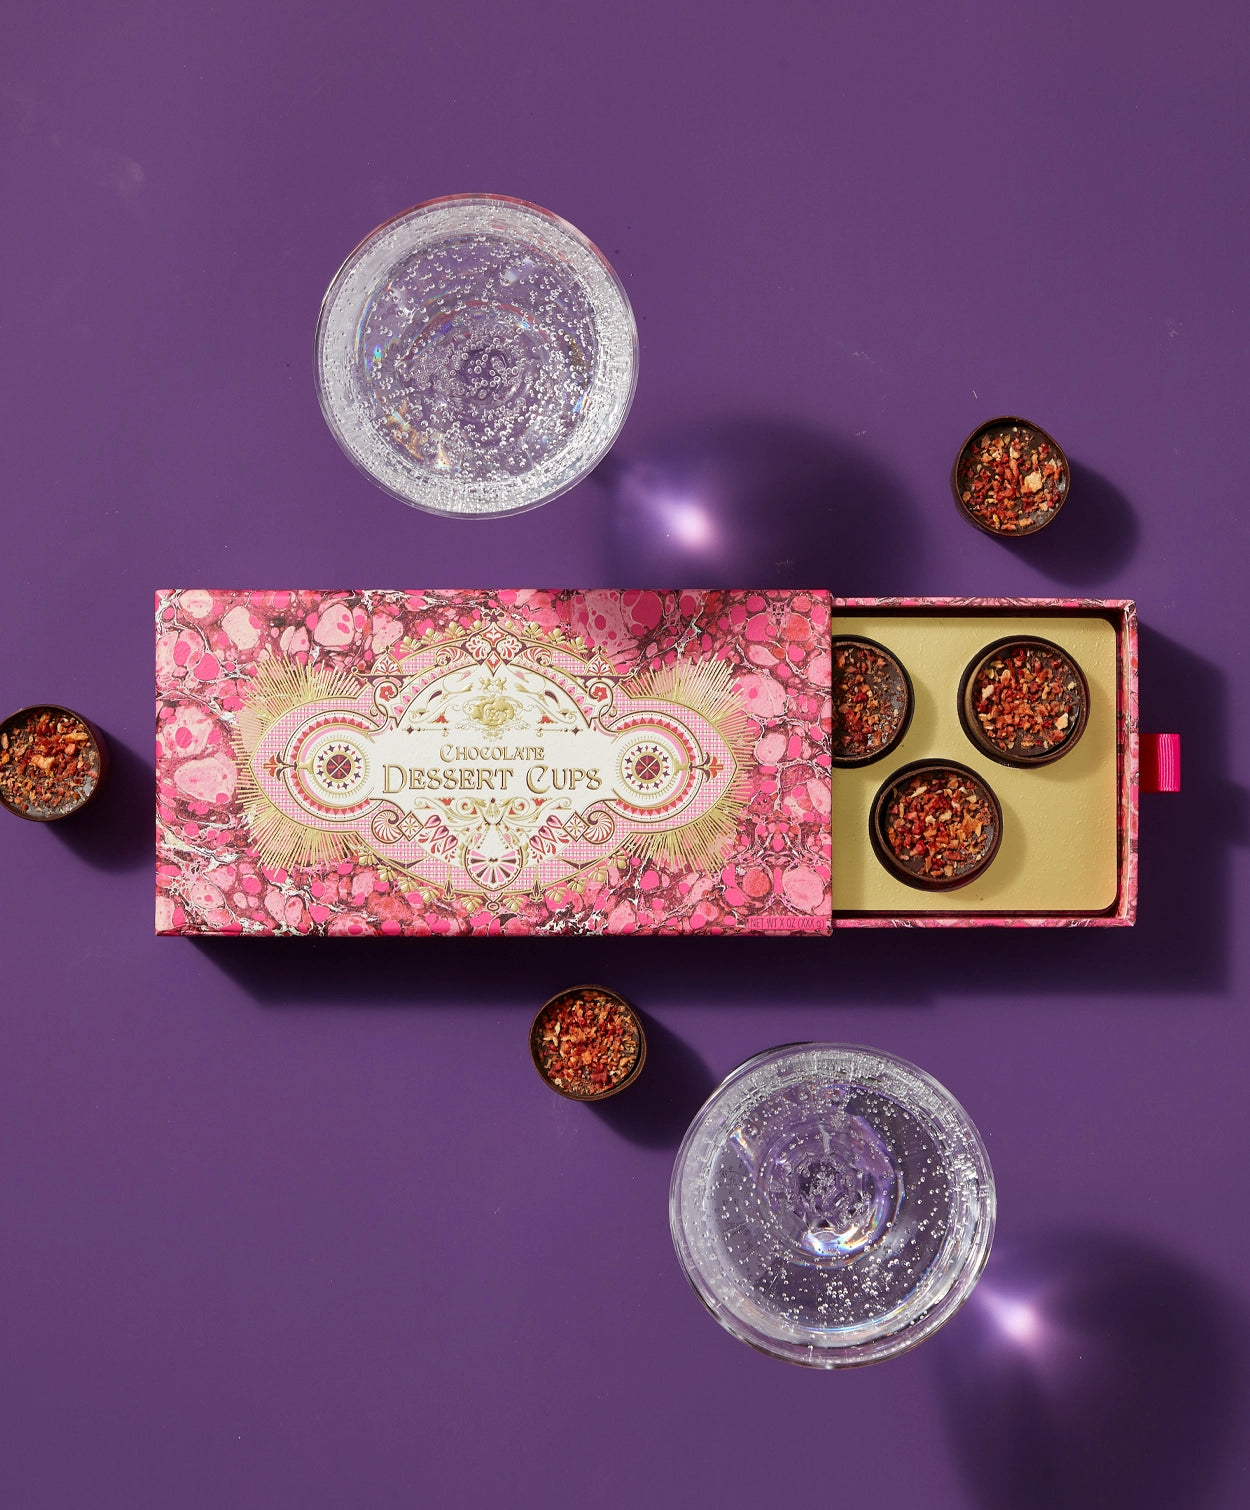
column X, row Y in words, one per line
column 695, row 798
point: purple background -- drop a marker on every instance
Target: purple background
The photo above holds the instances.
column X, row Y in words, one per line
column 295, row 1224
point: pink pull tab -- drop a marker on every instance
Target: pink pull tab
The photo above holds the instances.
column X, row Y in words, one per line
column 1160, row 763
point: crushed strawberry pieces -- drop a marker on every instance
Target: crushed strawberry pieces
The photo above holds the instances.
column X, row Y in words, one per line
column 869, row 700
column 49, row 763
column 586, row 1042
column 940, row 826
column 1011, row 480
column 1028, row 700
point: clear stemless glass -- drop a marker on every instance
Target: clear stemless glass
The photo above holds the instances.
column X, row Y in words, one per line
column 832, row 1205
column 476, row 356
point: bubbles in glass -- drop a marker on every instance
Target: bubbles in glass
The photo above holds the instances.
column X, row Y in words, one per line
column 476, row 356
column 832, row 1205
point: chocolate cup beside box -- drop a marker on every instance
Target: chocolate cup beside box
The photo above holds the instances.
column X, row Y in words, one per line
column 1010, row 478
column 609, row 1045
column 66, row 761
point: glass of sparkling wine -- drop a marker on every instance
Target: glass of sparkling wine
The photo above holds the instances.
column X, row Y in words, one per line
column 832, row 1205
column 477, row 355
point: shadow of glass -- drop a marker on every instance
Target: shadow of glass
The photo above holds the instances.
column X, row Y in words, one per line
column 1094, row 536
column 1089, row 1370
column 674, row 1083
column 756, row 502
column 115, row 831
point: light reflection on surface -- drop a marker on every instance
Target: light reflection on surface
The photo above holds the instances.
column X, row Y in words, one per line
column 683, row 513
column 1090, row 1370
column 688, row 522
column 753, row 501
column 1018, row 1321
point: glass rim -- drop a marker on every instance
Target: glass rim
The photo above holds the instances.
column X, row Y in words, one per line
column 390, row 480
column 873, row 1340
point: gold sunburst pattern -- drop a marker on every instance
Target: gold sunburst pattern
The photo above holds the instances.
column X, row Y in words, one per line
column 282, row 842
column 705, row 688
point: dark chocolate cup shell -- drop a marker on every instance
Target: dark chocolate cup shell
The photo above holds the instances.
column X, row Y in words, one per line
column 848, row 761
column 612, row 1090
column 881, row 845
column 98, row 744
column 1001, row 423
column 972, row 725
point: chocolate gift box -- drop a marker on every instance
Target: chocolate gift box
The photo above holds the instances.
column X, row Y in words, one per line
column 564, row 762
column 517, row 762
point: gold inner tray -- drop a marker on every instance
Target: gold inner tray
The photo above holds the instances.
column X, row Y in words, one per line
column 1059, row 849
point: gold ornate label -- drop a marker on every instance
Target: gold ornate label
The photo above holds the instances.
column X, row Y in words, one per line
column 492, row 760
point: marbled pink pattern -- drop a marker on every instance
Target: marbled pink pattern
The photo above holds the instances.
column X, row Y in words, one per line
column 210, row 880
